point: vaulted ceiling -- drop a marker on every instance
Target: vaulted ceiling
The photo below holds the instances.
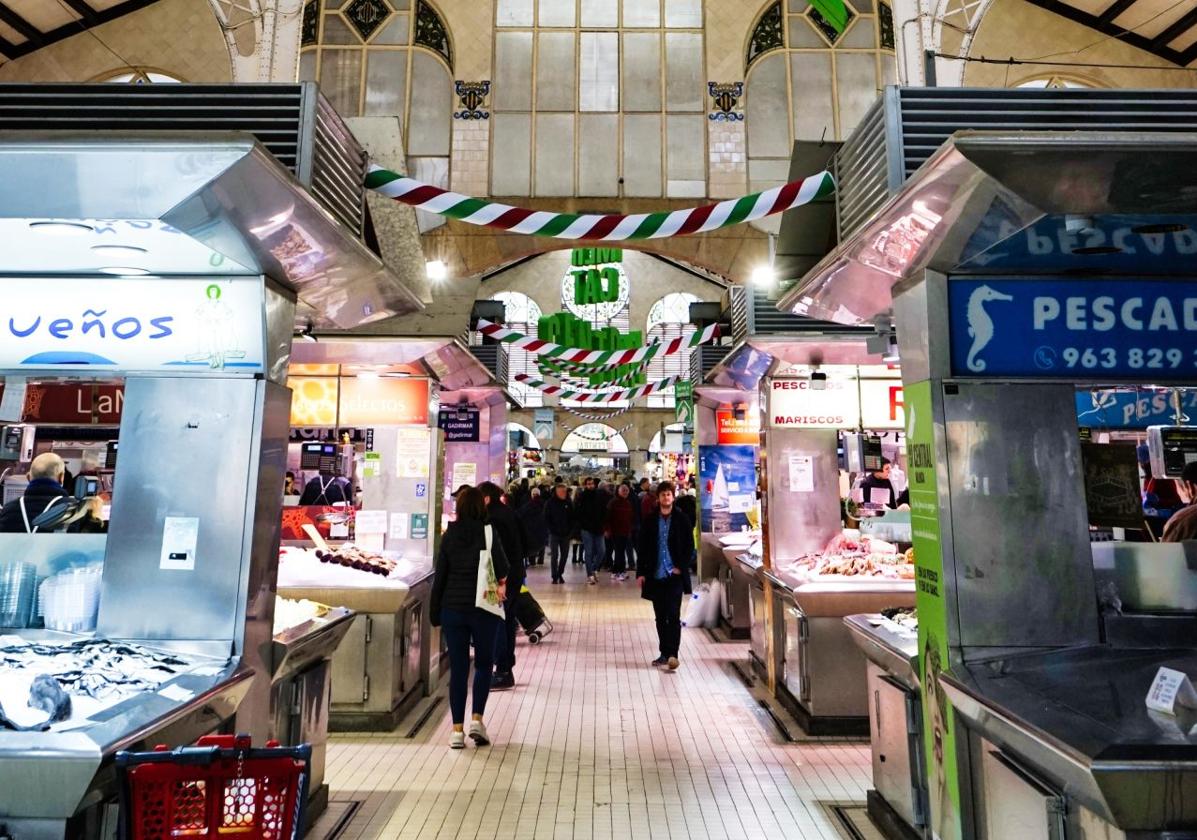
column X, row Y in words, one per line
column 29, row 25
column 1166, row 28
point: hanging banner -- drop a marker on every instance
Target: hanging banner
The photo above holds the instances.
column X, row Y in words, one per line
column 1094, row 329
column 683, row 402
column 727, row 478
column 596, row 358
column 620, row 395
column 543, row 424
column 595, row 227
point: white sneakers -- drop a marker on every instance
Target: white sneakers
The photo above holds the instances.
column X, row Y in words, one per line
column 478, row 733
column 456, row 740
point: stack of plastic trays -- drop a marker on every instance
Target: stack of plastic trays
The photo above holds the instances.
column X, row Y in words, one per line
column 18, row 588
column 71, row 599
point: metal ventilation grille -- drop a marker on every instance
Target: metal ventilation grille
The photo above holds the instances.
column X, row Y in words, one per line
column 862, row 172
column 293, row 122
column 768, row 320
column 930, row 115
column 488, row 355
column 906, row 125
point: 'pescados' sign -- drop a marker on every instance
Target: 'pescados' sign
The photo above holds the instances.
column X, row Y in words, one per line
column 1089, row 329
column 132, row 324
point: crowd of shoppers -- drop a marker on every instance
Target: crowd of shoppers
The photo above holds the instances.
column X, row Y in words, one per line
column 620, row 526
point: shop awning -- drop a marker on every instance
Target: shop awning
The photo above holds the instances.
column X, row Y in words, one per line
column 166, row 204
column 1086, row 203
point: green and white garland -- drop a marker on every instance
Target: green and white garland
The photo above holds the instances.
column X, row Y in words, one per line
column 598, row 227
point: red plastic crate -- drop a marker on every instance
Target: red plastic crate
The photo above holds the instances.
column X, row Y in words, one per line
column 220, row 788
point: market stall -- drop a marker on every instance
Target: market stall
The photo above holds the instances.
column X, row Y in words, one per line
column 1047, row 712
column 826, row 403
column 159, row 630
column 382, row 411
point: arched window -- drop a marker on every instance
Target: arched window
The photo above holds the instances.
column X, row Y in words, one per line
column 804, row 80
column 1055, row 82
column 522, row 313
column 668, row 318
column 387, row 58
column 597, row 439
column 140, row 76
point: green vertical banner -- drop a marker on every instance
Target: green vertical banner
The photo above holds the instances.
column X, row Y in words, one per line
column 940, row 741
column 683, row 402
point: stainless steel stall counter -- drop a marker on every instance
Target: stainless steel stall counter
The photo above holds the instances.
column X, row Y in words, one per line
column 383, row 666
column 822, row 676
column 898, row 799
column 229, row 245
column 302, row 689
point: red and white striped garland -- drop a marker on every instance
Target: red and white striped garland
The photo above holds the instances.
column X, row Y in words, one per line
column 596, row 397
column 598, row 227
column 596, row 359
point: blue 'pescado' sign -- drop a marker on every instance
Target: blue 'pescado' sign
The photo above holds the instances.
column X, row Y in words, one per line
column 1074, row 329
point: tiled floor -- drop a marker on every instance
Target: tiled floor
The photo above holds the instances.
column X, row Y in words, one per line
column 595, row 744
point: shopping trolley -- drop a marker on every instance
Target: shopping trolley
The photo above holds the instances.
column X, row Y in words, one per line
column 219, row 788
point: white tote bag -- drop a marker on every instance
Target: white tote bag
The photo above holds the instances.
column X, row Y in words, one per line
column 487, row 597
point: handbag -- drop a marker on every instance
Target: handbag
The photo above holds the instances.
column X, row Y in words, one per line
column 487, row 594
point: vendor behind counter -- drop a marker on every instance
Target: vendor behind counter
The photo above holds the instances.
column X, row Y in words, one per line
column 1183, row 524
column 46, row 475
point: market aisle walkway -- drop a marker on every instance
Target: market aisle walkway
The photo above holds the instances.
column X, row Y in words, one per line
column 594, row 744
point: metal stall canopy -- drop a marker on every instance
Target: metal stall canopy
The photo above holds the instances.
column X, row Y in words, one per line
column 186, row 204
column 294, row 122
column 1081, row 203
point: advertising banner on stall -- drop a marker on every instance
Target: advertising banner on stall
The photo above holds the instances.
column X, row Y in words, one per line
column 1136, row 409
column 313, row 400
column 1065, row 328
column 175, row 325
column 683, row 402
column 940, row 741
column 70, row 403
column 384, row 402
column 734, row 427
column 727, row 482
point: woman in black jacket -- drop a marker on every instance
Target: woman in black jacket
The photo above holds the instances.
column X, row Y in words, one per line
column 454, row 590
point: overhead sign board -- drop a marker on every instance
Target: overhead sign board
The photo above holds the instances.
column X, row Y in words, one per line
column 738, row 427
column 840, row 404
column 133, row 324
column 1108, row 409
column 460, row 424
column 1069, row 328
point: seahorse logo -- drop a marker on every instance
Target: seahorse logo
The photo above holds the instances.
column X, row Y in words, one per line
column 980, row 325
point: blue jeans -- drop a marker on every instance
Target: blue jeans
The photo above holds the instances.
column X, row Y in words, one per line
column 593, row 547
column 460, row 628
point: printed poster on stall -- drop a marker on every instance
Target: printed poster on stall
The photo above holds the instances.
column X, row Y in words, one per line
column 940, row 743
column 727, row 481
column 412, row 452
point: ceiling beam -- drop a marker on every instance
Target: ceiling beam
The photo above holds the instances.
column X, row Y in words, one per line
column 75, row 27
column 1183, row 25
column 1114, row 10
column 7, row 49
column 32, row 34
column 1108, row 28
column 83, row 10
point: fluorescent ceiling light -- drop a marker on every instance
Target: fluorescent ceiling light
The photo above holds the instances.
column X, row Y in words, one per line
column 62, row 228
column 122, row 271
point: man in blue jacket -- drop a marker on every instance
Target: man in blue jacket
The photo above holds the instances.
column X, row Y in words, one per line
column 663, row 570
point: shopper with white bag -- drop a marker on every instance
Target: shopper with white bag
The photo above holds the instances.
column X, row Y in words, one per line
column 468, row 591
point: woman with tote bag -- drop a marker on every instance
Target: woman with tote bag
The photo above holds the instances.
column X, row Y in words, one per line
column 467, row 594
